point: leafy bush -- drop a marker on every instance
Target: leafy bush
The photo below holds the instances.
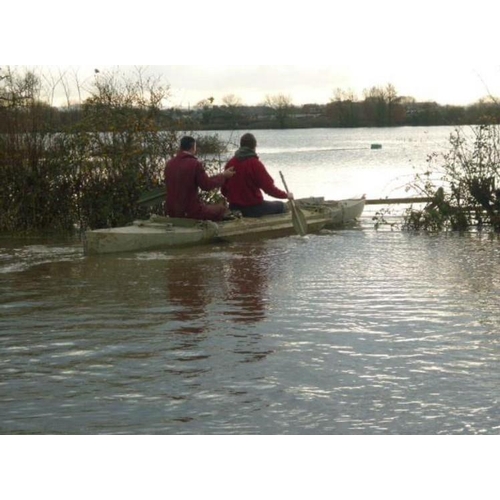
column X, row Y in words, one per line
column 91, row 174
column 463, row 183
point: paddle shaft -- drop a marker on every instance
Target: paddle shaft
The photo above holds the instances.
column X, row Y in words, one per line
column 300, row 223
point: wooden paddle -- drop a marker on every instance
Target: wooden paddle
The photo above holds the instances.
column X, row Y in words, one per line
column 298, row 218
column 153, row 197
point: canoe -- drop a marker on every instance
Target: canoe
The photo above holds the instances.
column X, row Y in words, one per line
column 160, row 233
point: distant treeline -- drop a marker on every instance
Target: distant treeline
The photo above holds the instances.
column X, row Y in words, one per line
column 381, row 106
column 342, row 114
column 338, row 114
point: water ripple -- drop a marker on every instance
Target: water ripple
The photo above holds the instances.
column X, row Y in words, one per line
column 353, row 332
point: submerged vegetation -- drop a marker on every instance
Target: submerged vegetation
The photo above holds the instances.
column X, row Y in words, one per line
column 464, row 184
column 91, row 173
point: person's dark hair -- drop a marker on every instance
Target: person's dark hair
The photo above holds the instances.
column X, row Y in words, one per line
column 248, row 141
column 187, row 143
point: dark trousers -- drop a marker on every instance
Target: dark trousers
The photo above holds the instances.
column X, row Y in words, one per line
column 265, row 208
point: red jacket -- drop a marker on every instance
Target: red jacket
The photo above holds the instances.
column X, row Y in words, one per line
column 246, row 186
column 184, row 174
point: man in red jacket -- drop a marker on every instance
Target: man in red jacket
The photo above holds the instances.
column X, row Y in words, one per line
column 244, row 190
column 184, row 175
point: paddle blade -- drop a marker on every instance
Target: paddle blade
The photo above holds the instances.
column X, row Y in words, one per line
column 299, row 220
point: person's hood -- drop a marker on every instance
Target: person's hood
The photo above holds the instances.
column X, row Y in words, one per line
column 244, row 153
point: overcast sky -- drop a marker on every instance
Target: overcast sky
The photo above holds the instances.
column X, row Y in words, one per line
column 444, row 51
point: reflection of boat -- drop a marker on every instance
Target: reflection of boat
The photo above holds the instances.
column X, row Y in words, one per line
column 165, row 232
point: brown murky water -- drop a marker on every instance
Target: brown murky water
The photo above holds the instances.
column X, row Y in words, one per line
column 353, row 332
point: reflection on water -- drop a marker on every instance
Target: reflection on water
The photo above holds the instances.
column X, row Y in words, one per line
column 237, row 279
column 353, row 332
column 246, row 277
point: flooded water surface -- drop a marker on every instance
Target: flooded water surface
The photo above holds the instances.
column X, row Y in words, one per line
column 352, row 332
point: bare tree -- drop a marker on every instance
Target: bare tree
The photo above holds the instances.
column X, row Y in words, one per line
column 343, row 107
column 65, row 84
column 281, row 105
column 18, row 90
column 340, row 94
column 52, row 83
column 206, row 108
column 380, row 103
column 232, row 101
column 232, row 104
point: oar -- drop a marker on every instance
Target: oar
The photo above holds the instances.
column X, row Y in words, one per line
column 298, row 218
column 152, row 198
